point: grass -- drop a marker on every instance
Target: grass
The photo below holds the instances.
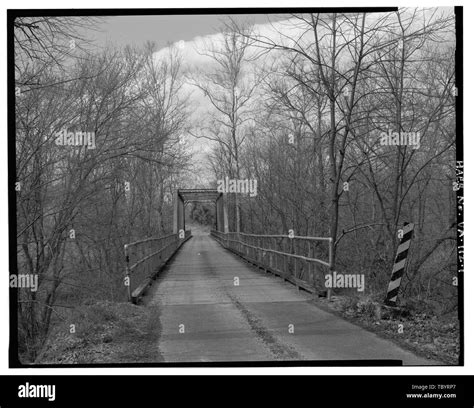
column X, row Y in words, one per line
column 425, row 334
column 110, row 332
column 105, row 332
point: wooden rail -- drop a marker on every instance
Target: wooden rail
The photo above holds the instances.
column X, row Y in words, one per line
column 298, row 260
column 145, row 258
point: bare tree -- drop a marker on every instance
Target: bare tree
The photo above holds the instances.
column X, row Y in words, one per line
column 228, row 85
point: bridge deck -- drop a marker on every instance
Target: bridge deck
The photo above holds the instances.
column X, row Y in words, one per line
column 250, row 322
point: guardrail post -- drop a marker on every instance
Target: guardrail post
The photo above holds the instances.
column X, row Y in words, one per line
column 293, row 249
column 226, row 217
column 127, row 272
column 259, row 251
column 331, row 266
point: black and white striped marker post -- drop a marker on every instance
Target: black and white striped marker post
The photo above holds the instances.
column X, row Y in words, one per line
column 399, row 265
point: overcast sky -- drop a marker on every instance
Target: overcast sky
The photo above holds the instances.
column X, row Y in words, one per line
column 164, row 30
column 193, row 31
column 136, row 30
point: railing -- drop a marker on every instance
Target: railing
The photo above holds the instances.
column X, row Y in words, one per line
column 297, row 259
column 145, row 258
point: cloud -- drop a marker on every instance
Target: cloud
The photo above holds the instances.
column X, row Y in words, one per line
column 291, row 32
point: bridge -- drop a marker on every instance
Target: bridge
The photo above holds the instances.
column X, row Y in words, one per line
column 228, row 296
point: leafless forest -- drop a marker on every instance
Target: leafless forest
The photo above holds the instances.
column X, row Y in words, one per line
column 301, row 106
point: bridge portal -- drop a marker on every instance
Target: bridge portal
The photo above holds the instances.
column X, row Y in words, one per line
column 183, row 196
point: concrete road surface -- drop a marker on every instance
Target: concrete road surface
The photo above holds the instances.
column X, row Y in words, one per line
column 205, row 317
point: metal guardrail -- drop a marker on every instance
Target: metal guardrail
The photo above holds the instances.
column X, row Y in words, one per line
column 145, row 258
column 297, row 260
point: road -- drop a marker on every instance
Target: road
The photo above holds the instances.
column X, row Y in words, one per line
column 206, row 317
